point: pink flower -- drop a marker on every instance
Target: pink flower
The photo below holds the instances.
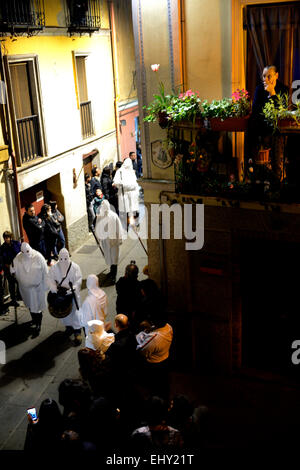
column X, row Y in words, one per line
column 155, row 67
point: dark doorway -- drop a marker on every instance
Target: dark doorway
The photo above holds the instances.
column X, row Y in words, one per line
column 270, row 318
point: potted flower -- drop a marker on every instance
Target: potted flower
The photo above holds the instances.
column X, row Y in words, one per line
column 166, row 109
column 157, row 109
column 228, row 114
column 279, row 114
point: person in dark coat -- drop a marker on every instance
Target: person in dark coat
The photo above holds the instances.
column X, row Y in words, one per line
column 8, row 251
column 122, row 352
column 34, row 228
column 109, row 191
column 118, row 165
column 44, row 434
column 59, row 218
column 132, row 156
column 260, row 133
column 88, row 198
column 128, row 291
column 95, row 181
column 50, row 232
column 3, row 309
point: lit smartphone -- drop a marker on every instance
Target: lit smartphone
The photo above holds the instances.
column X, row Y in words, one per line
column 32, row 413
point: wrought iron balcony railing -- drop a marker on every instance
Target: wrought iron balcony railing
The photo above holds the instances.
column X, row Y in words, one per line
column 83, row 15
column 21, row 15
column 87, row 127
column 29, row 138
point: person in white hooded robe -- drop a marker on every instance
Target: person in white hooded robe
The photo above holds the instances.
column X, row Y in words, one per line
column 95, row 304
column 128, row 192
column 30, row 270
column 109, row 232
column 69, row 274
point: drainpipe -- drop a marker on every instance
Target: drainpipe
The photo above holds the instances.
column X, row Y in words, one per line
column 113, row 49
column 182, row 42
column 8, row 142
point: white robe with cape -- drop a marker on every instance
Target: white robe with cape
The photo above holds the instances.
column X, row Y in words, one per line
column 109, row 232
column 56, row 274
column 31, row 273
column 128, row 189
column 95, row 304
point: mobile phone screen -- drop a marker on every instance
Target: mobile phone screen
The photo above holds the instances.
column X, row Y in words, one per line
column 32, row 413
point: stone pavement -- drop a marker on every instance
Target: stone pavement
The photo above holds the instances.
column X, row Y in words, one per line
column 35, row 367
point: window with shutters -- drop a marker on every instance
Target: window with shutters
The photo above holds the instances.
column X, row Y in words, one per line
column 86, row 117
column 25, row 109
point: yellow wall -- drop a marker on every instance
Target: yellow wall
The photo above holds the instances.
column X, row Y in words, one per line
column 60, row 111
column 208, row 47
column 125, row 57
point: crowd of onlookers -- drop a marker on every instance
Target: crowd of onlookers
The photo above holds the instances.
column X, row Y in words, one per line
column 122, row 402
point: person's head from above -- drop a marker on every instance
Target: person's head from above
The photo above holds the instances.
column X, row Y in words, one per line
column 132, row 155
column 127, row 164
column 98, row 192
column 269, row 77
column 121, row 322
column 119, row 164
column 63, row 256
column 26, row 250
column 49, row 413
column 156, row 409
column 87, row 178
column 53, row 205
column 96, row 171
column 7, row 236
column 104, row 208
column 30, row 210
column 132, row 271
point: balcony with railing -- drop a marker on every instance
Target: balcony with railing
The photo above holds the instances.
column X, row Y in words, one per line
column 87, row 128
column 83, row 15
column 21, row 15
column 29, row 138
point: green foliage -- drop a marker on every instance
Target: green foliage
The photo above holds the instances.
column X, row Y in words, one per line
column 279, row 108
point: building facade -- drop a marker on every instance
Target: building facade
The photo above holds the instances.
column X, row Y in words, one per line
column 59, row 115
column 213, row 292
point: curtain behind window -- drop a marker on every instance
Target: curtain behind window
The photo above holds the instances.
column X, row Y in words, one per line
column 273, row 39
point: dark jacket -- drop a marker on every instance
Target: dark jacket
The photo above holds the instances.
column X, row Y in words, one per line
column 261, row 97
column 51, row 229
column 34, row 230
column 58, row 217
column 129, row 296
column 9, row 252
column 88, row 194
column 109, row 191
column 122, row 351
column 95, row 184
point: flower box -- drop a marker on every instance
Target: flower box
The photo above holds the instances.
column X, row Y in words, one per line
column 231, row 124
column 287, row 123
column 189, row 124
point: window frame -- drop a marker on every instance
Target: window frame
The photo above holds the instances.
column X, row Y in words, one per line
column 84, row 54
column 35, row 83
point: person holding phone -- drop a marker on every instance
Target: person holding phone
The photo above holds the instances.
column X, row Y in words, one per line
column 44, row 430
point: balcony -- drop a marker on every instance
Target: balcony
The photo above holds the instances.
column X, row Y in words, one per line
column 83, row 16
column 29, row 138
column 87, row 128
column 21, row 15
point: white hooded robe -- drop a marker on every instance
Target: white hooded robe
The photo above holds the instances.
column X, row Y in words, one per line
column 95, row 304
column 56, row 273
column 128, row 189
column 109, row 232
column 30, row 269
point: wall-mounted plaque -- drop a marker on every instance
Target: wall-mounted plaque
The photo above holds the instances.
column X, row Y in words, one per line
column 160, row 154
